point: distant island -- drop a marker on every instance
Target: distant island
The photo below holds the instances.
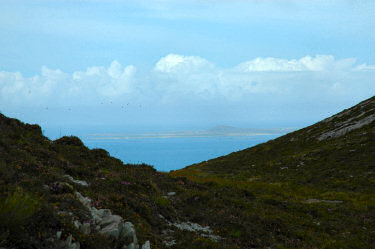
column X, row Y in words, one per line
column 217, row 131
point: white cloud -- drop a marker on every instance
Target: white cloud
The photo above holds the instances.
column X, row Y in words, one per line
column 307, row 63
column 190, row 79
column 174, row 63
column 54, row 87
column 365, row 67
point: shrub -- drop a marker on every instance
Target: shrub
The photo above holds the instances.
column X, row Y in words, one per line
column 161, row 201
column 16, row 209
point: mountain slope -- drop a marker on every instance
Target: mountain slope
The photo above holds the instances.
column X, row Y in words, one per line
column 337, row 152
column 60, row 194
column 320, row 180
column 312, row 188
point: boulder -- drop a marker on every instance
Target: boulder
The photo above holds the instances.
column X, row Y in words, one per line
column 84, row 200
column 111, row 230
column 79, row 182
column 146, row 245
column 110, row 219
column 70, row 245
column 77, row 224
column 110, row 225
column 128, row 232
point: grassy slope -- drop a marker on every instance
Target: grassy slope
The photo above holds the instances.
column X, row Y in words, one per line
column 282, row 175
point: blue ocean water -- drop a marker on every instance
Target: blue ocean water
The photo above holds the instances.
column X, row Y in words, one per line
column 167, row 154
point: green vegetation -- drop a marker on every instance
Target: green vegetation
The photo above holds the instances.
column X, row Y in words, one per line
column 15, row 212
column 307, row 193
column 297, row 191
column 16, row 209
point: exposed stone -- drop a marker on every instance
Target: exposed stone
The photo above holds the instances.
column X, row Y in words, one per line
column 96, row 215
column 103, row 212
column 345, row 128
column 70, row 245
column 58, row 234
column 79, row 182
column 110, row 225
column 77, row 224
column 169, row 243
column 128, row 232
column 68, row 240
column 110, row 219
column 146, row 245
column 112, row 229
column 84, row 200
column 194, row 227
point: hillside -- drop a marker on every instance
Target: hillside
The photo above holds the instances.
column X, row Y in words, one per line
column 60, row 194
column 313, row 188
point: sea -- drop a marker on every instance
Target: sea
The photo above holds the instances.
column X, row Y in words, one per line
column 168, row 153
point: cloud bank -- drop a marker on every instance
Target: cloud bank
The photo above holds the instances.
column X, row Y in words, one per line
column 307, row 63
column 178, row 81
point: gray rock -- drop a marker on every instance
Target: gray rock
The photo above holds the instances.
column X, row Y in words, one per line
column 111, row 230
column 171, row 193
column 128, row 232
column 110, row 219
column 169, row 243
column 58, row 234
column 82, row 183
column 194, row 227
column 77, row 224
column 111, row 225
column 146, row 245
column 68, row 240
column 69, row 245
column 84, row 200
column 104, row 212
column 96, row 215
column 347, row 127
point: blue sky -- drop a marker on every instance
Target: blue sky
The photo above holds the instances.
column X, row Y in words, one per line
column 177, row 62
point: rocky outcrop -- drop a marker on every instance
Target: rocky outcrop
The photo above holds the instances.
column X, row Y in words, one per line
column 349, row 120
column 111, row 225
column 346, row 127
column 204, row 231
column 82, row 183
column 65, row 244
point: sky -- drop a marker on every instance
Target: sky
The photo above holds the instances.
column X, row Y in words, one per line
column 178, row 63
